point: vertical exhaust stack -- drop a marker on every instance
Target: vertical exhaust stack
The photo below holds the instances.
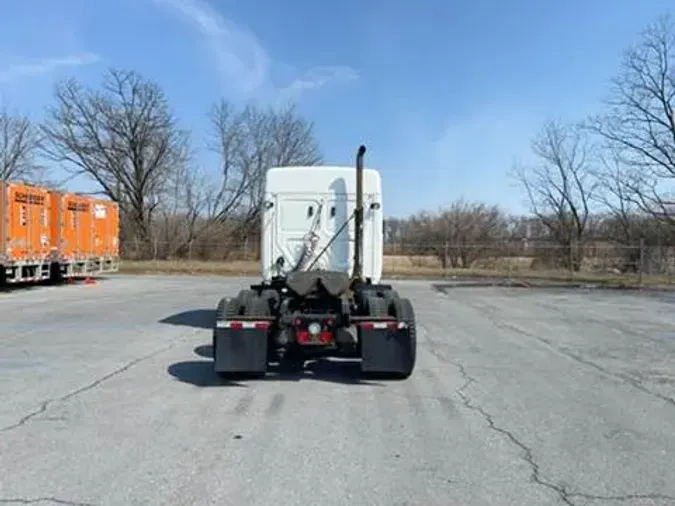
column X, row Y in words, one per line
column 358, row 217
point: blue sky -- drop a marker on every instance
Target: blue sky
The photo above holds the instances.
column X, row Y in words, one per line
column 446, row 94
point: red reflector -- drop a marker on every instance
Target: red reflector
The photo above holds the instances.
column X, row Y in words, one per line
column 236, row 325
column 298, row 322
column 392, row 326
column 303, row 336
column 329, row 322
column 326, row 337
column 262, row 325
column 367, row 326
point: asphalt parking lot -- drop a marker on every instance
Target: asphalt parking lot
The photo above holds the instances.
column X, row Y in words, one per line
column 520, row 397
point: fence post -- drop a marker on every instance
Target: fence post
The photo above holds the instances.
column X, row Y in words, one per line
column 641, row 265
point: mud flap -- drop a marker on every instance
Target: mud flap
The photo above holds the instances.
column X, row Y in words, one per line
column 386, row 351
column 240, row 350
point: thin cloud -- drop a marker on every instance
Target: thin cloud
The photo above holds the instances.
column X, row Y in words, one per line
column 45, row 66
column 317, row 78
column 242, row 61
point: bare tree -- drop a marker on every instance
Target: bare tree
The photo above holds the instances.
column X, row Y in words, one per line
column 182, row 212
column 615, row 193
column 124, row 137
column 459, row 235
column 561, row 186
column 209, row 214
column 249, row 142
column 640, row 122
column 18, row 144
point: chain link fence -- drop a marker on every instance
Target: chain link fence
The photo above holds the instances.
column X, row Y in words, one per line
column 588, row 260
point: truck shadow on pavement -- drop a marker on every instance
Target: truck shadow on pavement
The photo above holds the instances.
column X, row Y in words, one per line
column 200, row 372
column 195, row 318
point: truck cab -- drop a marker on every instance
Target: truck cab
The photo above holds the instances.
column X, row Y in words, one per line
column 307, row 221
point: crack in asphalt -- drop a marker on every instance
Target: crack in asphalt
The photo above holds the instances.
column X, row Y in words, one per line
column 45, row 404
column 528, row 456
column 55, row 500
column 621, row 498
column 491, row 314
column 589, row 363
column 563, row 493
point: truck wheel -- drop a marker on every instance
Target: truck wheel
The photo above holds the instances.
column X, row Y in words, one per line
column 386, row 354
column 390, row 296
column 404, row 312
column 247, row 354
column 376, row 306
column 226, row 309
column 257, row 306
column 271, row 297
column 244, row 297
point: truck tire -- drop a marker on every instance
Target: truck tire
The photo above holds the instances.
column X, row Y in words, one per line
column 257, row 306
column 226, row 309
column 404, row 312
column 244, row 297
column 232, row 309
column 390, row 296
column 376, row 306
column 272, row 298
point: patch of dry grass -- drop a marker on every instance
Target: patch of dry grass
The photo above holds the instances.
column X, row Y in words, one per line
column 402, row 268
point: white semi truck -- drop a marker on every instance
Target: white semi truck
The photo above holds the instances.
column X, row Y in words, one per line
column 321, row 267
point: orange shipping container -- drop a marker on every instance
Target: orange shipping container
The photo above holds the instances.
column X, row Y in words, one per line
column 24, row 222
column 106, row 228
column 72, row 230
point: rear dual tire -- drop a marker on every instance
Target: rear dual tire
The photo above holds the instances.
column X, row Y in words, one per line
column 402, row 309
column 247, row 303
